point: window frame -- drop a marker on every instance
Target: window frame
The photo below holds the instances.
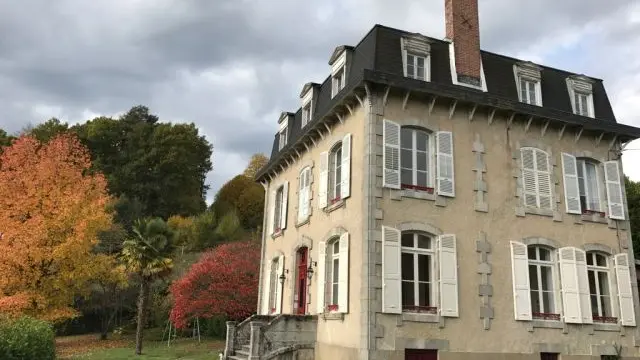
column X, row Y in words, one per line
column 580, row 99
column 334, row 279
column 273, row 286
column 430, row 158
column 578, row 86
column 552, row 264
column 304, row 185
column 415, row 252
column 530, row 82
column 334, row 182
column 416, row 57
column 306, row 114
column 592, row 257
column 282, row 137
column 338, row 80
column 277, row 210
column 582, row 184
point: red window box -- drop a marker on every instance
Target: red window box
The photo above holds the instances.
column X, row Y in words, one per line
column 428, row 190
column 273, row 310
column 335, row 200
column 605, row 319
column 593, row 212
column 277, row 231
column 546, row 316
column 332, row 307
column 420, row 309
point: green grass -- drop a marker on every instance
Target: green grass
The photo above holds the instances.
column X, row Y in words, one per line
column 87, row 348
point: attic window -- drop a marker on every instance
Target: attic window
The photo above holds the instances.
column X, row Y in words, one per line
column 307, row 97
column 339, row 61
column 581, row 94
column 337, row 82
column 416, row 57
column 306, row 114
column 282, row 135
column 529, row 83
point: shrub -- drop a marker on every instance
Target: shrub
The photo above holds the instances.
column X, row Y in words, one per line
column 26, row 338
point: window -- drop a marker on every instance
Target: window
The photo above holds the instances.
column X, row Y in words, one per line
column 306, row 114
column 548, row 356
column 335, row 173
column 282, row 138
column 273, row 286
column 334, row 268
column 529, row 91
column 541, row 265
column 416, row 67
column 304, row 194
column 536, row 178
column 338, row 81
column 588, row 186
column 417, row 273
column 599, row 287
column 415, row 161
column 278, row 210
column 582, row 101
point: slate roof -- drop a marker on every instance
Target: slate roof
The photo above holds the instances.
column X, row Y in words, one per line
column 377, row 58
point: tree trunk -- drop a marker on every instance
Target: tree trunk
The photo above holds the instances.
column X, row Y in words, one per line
column 142, row 308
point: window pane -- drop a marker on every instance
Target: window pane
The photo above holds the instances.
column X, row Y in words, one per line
column 545, row 254
column 336, row 270
column 590, row 259
column 532, row 93
column 603, row 281
column 334, row 297
column 424, row 242
column 336, row 247
column 533, row 277
column 408, row 295
column 535, row 301
column 420, row 73
column 532, row 252
column 407, row 266
column 410, row 70
column 421, row 160
column 422, row 178
column 545, row 277
column 547, row 300
column 406, row 177
column 606, row 306
column 523, row 90
column 420, row 61
column 423, row 268
column 406, row 138
column 583, row 105
column 423, row 294
column 592, row 282
column 601, row 260
column 592, row 187
column 421, row 141
column 595, row 310
column 406, row 158
column 407, row 240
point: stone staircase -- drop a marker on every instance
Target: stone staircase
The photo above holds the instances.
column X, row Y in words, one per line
column 280, row 337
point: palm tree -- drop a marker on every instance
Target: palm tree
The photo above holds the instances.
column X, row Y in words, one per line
column 147, row 255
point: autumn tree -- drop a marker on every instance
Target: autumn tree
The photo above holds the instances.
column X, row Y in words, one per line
column 243, row 196
column 47, row 130
column 257, row 162
column 5, row 139
column 53, row 208
column 223, row 282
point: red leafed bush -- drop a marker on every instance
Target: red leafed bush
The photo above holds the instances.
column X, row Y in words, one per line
column 223, row 282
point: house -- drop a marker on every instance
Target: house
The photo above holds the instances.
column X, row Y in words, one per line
column 430, row 200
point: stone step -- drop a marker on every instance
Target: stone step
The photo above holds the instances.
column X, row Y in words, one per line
column 238, row 357
column 244, row 352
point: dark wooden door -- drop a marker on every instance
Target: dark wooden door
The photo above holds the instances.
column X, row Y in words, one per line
column 301, row 282
column 415, row 354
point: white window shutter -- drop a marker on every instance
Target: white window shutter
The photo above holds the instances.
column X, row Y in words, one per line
column 571, row 189
column 345, row 186
column 569, row 285
column 444, row 157
column 343, row 275
column 283, row 210
column 267, row 293
column 448, row 275
column 614, row 190
column 391, row 271
column 583, row 286
column 544, row 179
column 302, row 190
column 529, row 181
column 272, row 210
column 320, row 278
column 625, row 294
column 520, row 275
column 324, row 180
column 391, row 155
column 280, row 285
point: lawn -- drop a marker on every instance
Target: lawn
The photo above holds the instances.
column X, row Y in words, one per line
column 88, row 347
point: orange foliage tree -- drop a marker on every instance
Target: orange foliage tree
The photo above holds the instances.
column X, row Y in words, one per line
column 52, row 209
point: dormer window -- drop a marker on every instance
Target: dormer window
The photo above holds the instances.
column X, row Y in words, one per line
column 339, row 62
column 528, row 81
column 282, row 135
column 415, row 57
column 306, row 114
column 337, row 82
column 309, row 94
column 581, row 95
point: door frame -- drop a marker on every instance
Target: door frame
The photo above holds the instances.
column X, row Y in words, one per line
column 302, row 253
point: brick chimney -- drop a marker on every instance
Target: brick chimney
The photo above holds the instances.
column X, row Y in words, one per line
column 463, row 28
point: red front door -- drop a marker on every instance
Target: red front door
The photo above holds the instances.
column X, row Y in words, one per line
column 411, row 354
column 301, row 283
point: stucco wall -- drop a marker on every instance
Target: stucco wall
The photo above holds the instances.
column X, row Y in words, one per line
column 319, row 228
column 501, row 225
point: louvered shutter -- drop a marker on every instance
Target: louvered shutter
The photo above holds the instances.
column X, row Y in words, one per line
column 280, row 285
column 448, row 275
column 544, row 179
column 583, row 287
column 345, row 168
column 302, row 193
column 569, row 285
column 322, row 262
column 267, row 294
column 283, row 209
column 391, row 155
column 324, row 180
column 529, row 181
column 520, row 276
column 614, row 190
column 571, row 189
column 343, row 275
column 391, row 271
column 444, row 159
column 272, row 212
column 625, row 294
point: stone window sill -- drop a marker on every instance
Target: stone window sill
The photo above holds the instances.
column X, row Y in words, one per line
column 333, row 316
column 594, row 218
column 303, row 222
column 418, row 317
column 338, row 204
column 606, row 327
column 412, row 194
column 548, row 324
column 536, row 211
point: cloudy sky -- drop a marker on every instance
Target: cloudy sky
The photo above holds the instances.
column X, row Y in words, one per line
column 236, row 64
